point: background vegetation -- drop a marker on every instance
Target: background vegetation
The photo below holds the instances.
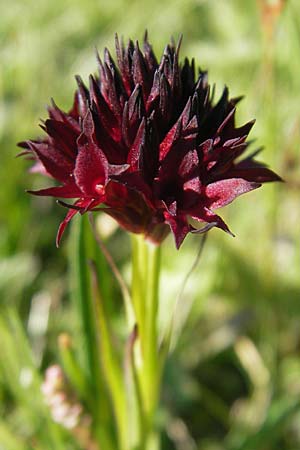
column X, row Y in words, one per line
column 233, row 382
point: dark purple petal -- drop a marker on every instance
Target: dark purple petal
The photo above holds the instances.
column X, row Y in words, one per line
column 106, row 117
column 67, row 191
column 64, row 137
column 139, row 71
column 91, row 170
column 252, row 170
column 170, row 140
column 179, row 227
column 204, row 214
column 134, row 155
column 133, row 114
column 71, row 213
column 56, row 163
column 223, row 192
column 150, row 58
column 70, row 118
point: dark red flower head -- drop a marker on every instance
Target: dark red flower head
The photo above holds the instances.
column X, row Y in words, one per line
column 147, row 142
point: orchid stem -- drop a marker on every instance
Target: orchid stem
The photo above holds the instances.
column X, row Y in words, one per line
column 152, row 294
column 138, row 284
column 145, row 293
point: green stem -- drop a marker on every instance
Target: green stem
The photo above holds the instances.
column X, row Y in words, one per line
column 151, row 345
column 138, row 284
column 145, row 295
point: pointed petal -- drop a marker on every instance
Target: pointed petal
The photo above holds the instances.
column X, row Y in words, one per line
column 71, row 119
column 139, row 71
column 165, row 105
column 189, row 166
column 259, row 174
column 106, row 116
column 252, row 170
column 81, row 206
column 154, row 93
column 134, row 155
column 57, row 164
column 216, row 115
column 179, row 227
column 133, row 113
column 82, row 96
column 228, row 119
column 91, row 170
column 66, row 191
column 204, row 214
column 150, row 58
column 71, row 213
column 124, row 58
column 169, row 140
column 63, row 136
column 223, row 192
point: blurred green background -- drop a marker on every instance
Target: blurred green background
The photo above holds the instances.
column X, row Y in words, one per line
column 233, row 382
